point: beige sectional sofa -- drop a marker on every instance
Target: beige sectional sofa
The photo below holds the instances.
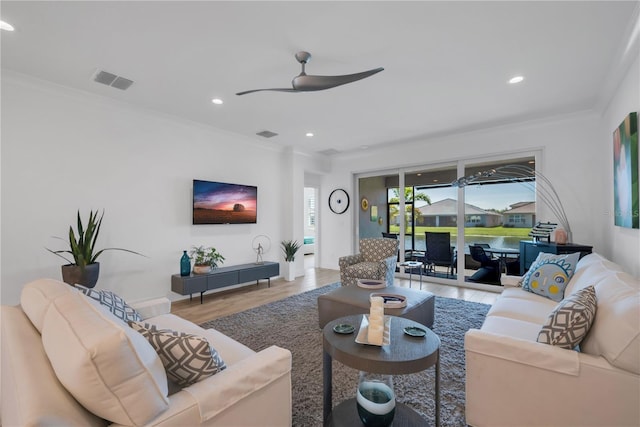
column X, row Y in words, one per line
column 68, row 361
column 513, row 380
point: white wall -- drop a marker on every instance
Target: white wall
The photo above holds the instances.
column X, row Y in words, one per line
column 63, row 150
column 622, row 244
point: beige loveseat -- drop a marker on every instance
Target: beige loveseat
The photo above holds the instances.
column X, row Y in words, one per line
column 59, row 336
column 513, row 380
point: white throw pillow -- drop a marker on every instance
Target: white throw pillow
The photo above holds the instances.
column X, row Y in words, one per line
column 108, row 367
column 615, row 334
column 187, row 358
column 36, row 297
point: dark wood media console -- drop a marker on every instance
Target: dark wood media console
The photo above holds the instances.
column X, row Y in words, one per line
column 223, row 277
column 529, row 251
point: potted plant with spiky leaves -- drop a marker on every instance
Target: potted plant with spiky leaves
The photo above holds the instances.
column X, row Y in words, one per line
column 290, row 248
column 84, row 269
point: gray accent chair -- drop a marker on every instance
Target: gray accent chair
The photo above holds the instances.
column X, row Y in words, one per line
column 376, row 260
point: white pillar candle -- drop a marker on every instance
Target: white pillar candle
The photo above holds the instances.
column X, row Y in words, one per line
column 376, row 321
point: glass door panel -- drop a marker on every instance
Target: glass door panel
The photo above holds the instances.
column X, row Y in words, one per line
column 498, row 214
column 435, row 211
column 401, row 224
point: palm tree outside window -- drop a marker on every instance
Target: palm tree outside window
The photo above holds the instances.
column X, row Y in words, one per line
column 412, row 216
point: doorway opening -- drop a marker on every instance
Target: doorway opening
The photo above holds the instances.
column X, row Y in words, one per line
column 310, row 242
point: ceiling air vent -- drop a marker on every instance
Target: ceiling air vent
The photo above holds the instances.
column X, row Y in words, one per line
column 112, row 80
column 266, row 134
column 329, row 152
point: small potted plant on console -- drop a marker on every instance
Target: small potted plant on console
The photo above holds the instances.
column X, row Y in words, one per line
column 205, row 259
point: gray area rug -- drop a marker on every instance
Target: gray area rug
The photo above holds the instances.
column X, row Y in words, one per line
column 292, row 323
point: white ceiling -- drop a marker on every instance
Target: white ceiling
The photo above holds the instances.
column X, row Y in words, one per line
column 446, row 63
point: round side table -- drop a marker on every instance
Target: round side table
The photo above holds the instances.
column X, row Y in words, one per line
column 412, row 265
column 404, row 355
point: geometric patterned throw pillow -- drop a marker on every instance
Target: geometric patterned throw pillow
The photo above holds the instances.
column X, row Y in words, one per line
column 570, row 321
column 113, row 302
column 187, row 358
column 549, row 275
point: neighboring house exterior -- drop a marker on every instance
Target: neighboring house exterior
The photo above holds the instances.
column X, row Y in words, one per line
column 520, row 215
column 443, row 213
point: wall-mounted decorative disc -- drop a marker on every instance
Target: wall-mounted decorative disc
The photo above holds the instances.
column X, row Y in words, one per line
column 364, row 203
column 339, row 201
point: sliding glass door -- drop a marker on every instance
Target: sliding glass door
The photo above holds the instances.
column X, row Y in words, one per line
column 416, row 202
column 499, row 212
column 423, row 206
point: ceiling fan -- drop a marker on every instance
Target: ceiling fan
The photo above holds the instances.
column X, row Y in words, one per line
column 306, row 83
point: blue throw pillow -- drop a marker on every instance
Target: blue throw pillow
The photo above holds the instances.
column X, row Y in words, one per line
column 549, row 275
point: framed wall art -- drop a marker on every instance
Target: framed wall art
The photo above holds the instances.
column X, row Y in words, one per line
column 374, row 213
column 626, row 206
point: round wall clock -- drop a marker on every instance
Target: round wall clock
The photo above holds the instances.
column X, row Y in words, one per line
column 364, row 203
column 339, row 201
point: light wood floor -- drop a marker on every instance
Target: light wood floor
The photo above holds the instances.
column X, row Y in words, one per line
column 232, row 301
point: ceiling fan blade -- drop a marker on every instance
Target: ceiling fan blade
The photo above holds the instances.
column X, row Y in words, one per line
column 273, row 90
column 306, row 83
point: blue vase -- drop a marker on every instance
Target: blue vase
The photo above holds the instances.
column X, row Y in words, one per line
column 185, row 264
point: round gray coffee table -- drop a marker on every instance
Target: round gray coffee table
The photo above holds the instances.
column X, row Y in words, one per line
column 404, row 355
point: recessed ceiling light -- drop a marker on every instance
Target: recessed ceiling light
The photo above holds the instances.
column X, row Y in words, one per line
column 6, row 26
column 217, row 101
column 309, row 134
column 516, row 79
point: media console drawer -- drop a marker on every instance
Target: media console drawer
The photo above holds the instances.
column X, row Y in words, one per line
column 223, row 277
column 250, row 274
column 188, row 284
column 221, row 280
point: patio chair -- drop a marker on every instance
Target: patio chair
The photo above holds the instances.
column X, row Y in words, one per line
column 376, row 260
column 513, row 266
column 483, row 245
column 489, row 271
column 439, row 252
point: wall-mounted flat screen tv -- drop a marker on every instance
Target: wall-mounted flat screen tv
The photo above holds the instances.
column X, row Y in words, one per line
column 223, row 203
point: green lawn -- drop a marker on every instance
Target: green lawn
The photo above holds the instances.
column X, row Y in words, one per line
column 473, row 231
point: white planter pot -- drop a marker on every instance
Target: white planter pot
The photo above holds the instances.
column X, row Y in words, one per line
column 201, row 269
column 289, row 271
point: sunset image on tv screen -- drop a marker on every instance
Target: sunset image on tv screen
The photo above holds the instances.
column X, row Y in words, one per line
column 222, row 203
